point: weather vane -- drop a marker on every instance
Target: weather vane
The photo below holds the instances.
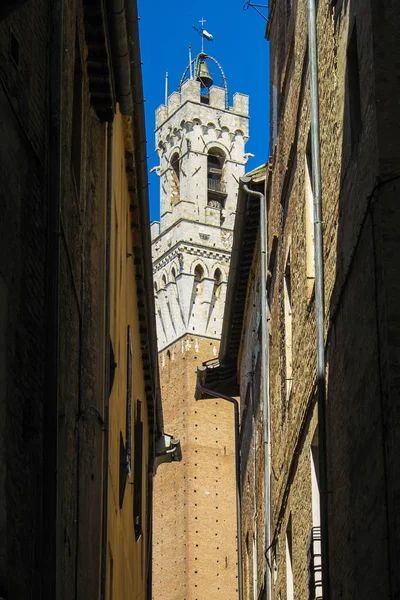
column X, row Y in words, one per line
column 203, row 33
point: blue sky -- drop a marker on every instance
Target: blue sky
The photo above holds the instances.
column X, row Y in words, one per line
column 239, row 46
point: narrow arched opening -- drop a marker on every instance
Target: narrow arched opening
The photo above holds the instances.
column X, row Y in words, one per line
column 175, row 178
column 216, row 186
column 217, row 276
column 198, row 273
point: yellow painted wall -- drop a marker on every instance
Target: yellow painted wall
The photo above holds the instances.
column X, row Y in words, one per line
column 126, row 558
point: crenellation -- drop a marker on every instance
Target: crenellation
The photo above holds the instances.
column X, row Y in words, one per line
column 174, row 102
column 217, row 97
column 190, row 91
column 240, row 104
column 161, row 114
column 155, row 229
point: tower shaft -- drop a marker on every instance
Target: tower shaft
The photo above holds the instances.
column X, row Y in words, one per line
column 201, row 147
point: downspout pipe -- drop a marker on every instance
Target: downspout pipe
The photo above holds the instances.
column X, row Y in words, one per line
column 245, row 181
column 201, row 371
column 319, row 294
column 107, row 366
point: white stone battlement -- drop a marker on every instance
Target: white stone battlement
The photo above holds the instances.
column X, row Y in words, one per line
column 191, row 93
column 154, row 229
column 201, row 146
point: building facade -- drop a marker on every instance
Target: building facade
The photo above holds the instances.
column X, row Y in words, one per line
column 357, row 51
column 81, row 427
column 359, row 170
column 237, row 372
column 200, row 141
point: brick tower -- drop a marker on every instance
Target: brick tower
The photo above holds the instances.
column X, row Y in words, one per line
column 200, row 141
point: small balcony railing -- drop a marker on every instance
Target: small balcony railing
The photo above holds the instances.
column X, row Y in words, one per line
column 215, row 185
column 314, row 564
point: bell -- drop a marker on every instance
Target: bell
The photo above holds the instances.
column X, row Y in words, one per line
column 203, row 74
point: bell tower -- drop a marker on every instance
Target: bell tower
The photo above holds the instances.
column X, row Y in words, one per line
column 200, row 141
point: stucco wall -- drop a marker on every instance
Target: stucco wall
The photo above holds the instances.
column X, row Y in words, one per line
column 126, row 555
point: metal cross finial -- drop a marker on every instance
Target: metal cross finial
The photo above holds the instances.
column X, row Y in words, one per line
column 202, row 21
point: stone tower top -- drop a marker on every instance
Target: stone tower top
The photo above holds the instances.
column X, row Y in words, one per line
column 200, row 142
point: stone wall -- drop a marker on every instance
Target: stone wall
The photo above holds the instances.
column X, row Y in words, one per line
column 79, row 425
column 23, row 209
column 359, row 287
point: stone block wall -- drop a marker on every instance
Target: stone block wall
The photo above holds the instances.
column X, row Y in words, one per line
column 359, row 287
column 23, row 209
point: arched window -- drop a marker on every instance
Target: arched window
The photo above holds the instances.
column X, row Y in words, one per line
column 198, row 273
column 217, row 276
column 163, row 282
column 175, row 178
column 216, row 187
column 173, row 273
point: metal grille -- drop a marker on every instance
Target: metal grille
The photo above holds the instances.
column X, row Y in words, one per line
column 314, row 564
column 215, row 185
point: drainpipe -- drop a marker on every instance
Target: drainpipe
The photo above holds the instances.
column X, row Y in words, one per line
column 199, row 390
column 264, row 375
column 107, row 377
column 319, row 294
column 52, row 533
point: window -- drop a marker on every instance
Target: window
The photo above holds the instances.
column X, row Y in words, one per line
column 247, row 567
column 216, row 188
column 289, row 6
column 274, row 104
column 138, row 471
column 353, row 83
column 13, row 49
column 314, row 460
column 309, row 216
column 255, row 583
column 287, row 284
column 129, row 403
column 125, row 450
column 175, row 179
column 110, row 574
column 76, row 134
column 198, row 273
column 289, row 561
column 123, row 469
column 271, row 273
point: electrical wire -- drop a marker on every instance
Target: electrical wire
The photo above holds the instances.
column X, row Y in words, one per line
column 249, row 4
